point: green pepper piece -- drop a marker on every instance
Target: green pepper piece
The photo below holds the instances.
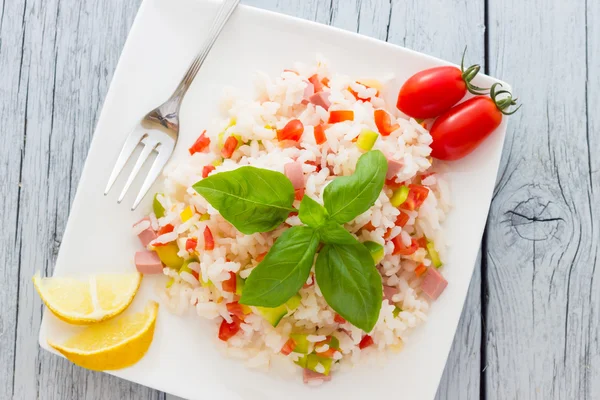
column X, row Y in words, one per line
column 302, row 343
column 158, row 208
column 433, row 254
column 312, row 360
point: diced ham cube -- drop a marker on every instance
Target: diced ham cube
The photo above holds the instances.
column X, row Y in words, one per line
column 389, row 292
column 394, row 166
column 321, row 99
column 147, row 262
column 294, row 173
column 146, row 234
column 309, row 90
column 434, row 283
column 312, row 376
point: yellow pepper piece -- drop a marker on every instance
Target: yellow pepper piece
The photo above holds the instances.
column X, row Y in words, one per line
column 186, row 214
column 366, row 140
column 400, row 195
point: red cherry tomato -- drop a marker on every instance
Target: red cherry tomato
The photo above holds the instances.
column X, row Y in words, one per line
column 429, row 93
column 460, row 130
column 190, row 244
column 209, row 241
column 235, row 308
column 402, row 219
column 365, row 342
column 207, row 169
column 260, row 257
column 340, row 116
column 399, row 247
column 168, row 228
column 229, row 285
column 288, row 347
column 416, row 196
column 293, row 130
column 201, row 144
column 433, row 91
column 420, row 270
column 229, row 147
column 384, row 122
column 319, row 133
column 228, row 330
column 339, row 319
column 422, row 242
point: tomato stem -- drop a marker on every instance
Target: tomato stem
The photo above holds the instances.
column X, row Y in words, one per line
column 469, row 74
column 504, row 103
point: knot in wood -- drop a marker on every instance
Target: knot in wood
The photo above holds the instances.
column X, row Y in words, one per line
column 535, row 219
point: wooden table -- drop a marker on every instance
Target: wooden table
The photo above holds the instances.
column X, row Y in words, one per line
column 530, row 326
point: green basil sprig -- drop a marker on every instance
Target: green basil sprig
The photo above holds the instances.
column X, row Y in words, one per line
column 284, row 269
column 349, row 196
column 252, row 199
column 258, row 200
column 312, row 213
column 350, row 283
column 333, row 233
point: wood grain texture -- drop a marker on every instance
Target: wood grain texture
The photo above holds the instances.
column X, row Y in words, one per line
column 540, row 283
column 62, row 79
column 12, row 113
column 426, row 27
column 591, row 365
column 542, row 241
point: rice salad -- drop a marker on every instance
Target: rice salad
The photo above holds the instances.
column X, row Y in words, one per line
column 304, row 130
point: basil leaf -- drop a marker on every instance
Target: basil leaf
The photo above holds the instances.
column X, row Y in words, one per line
column 334, row 233
column 350, row 283
column 312, row 213
column 284, row 270
column 349, row 196
column 251, row 199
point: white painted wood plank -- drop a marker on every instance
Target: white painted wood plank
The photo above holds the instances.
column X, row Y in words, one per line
column 542, row 317
column 70, row 51
column 314, row 10
column 591, row 367
column 442, row 28
column 12, row 110
column 461, row 379
column 76, row 104
column 372, row 18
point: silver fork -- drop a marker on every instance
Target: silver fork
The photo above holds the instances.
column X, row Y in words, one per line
column 159, row 129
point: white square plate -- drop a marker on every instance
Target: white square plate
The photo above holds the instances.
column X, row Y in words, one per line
column 182, row 359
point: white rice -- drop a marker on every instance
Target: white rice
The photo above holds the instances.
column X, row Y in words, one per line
column 278, row 100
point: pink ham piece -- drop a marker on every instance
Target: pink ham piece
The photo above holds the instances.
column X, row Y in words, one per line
column 389, row 292
column 309, row 90
column 434, row 283
column 312, row 376
column 148, row 234
column 147, row 262
column 394, row 166
column 321, row 99
column 294, row 173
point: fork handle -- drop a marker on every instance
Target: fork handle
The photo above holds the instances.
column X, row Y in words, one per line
column 225, row 11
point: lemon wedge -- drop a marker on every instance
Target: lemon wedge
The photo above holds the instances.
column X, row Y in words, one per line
column 89, row 301
column 113, row 344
